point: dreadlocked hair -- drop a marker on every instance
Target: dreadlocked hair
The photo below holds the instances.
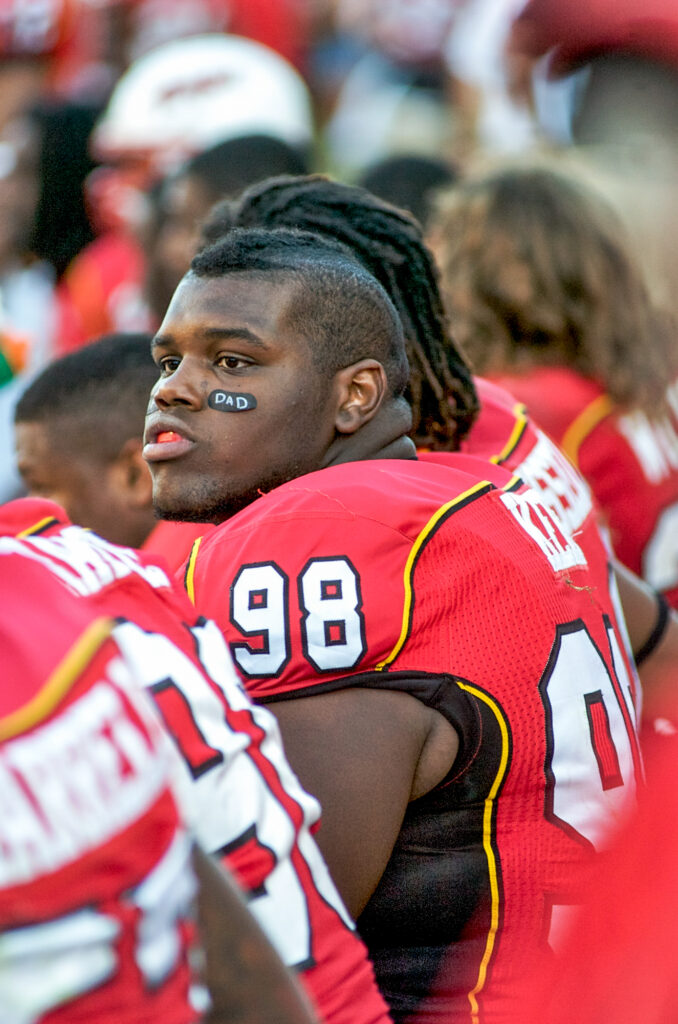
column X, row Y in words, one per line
column 389, row 244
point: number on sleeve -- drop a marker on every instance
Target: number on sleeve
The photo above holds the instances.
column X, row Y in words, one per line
column 243, row 801
column 332, row 622
column 590, row 734
column 333, row 626
column 259, row 611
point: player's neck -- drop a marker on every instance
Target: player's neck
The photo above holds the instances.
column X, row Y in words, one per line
column 384, row 437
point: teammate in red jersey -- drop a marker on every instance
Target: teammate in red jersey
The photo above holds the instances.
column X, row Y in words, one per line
column 241, row 797
column 96, row 883
column 78, row 428
column 444, row 396
column 548, row 301
column 443, row 659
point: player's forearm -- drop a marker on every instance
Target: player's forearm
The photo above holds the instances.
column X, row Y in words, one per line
column 247, row 981
column 653, row 632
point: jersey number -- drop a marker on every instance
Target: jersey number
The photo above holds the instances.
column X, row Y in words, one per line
column 592, row 736
column 252, row 808
column 330, row 606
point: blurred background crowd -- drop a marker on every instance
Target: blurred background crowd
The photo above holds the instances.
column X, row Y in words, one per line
column 123, row 121
column 536, row 142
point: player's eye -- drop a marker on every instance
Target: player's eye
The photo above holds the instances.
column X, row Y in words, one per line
column 232, row 362
column 168, row 365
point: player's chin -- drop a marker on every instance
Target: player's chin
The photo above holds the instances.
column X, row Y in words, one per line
column 182, row 507
column 180, row 515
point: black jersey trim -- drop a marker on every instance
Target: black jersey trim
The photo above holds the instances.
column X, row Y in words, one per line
column 517, row 433
column 490, row 845
column 440, row 517
column 40, row 527
column 189, row 574
column 439, row 691
column 655, row 637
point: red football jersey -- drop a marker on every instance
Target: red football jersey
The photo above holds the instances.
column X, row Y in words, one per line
column 455, row 584
column 504, row 434
column 240, row 795
column 96, row 885
column 629, row 461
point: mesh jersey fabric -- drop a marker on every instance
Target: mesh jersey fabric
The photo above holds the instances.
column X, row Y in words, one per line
column 453, row 583
column 95, row 856
column 629, row 461
column 239, row 793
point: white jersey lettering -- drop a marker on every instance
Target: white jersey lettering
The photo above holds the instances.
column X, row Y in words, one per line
column 84, row 562
column 73, row 783
column 561, row 550
column 562, row 490
column 655, row 444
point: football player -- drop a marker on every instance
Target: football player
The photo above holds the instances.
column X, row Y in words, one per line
column 443, row 395
column 549, row 301
column 444, row 660
column 238, row 792
column 98, row 870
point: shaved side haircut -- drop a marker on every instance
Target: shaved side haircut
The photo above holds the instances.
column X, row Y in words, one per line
column 339, row 308
column 389, row 243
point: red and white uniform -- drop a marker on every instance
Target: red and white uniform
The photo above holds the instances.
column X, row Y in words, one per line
column 454, row 583
column 504, row 435
column 629, row 461
column 240, row 795
column 96, row 886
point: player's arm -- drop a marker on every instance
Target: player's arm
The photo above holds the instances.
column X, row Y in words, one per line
column 653, row 631
column 364, row 753
column 247, row 981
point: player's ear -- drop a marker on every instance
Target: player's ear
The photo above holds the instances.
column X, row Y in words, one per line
column 133, row 476
column 360, row 388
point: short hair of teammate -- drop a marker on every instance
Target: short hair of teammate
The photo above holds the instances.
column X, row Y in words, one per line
column 94, row 397
column 339, row 307
column 389, row 243
column 78, row 436
column 536, row 269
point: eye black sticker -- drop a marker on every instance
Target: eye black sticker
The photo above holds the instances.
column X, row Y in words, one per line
column 231, row 401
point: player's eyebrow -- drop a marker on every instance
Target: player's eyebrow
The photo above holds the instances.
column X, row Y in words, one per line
column 215, row 334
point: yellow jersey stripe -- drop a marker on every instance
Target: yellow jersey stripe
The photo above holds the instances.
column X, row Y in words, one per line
column 520, row 413
column 415, row 551
column 583, row 424
column 38, row 527
column 488, row 847
column 189, row 575
column 58, row 682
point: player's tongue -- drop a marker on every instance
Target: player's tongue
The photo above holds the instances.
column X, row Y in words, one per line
column 166, row 436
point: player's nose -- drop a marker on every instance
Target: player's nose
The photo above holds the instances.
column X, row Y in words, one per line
column 182, row 387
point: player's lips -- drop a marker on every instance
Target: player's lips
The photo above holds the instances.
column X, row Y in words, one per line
column 165, row 439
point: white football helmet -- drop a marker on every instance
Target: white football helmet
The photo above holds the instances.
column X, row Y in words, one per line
column 192, row 93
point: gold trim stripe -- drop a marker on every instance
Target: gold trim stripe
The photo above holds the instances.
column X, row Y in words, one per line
column 38, row 527
column 520, row 413
column 583, row 424
column 58, row 682
column 409, row 565
column 488, row 847
column 189, row 577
